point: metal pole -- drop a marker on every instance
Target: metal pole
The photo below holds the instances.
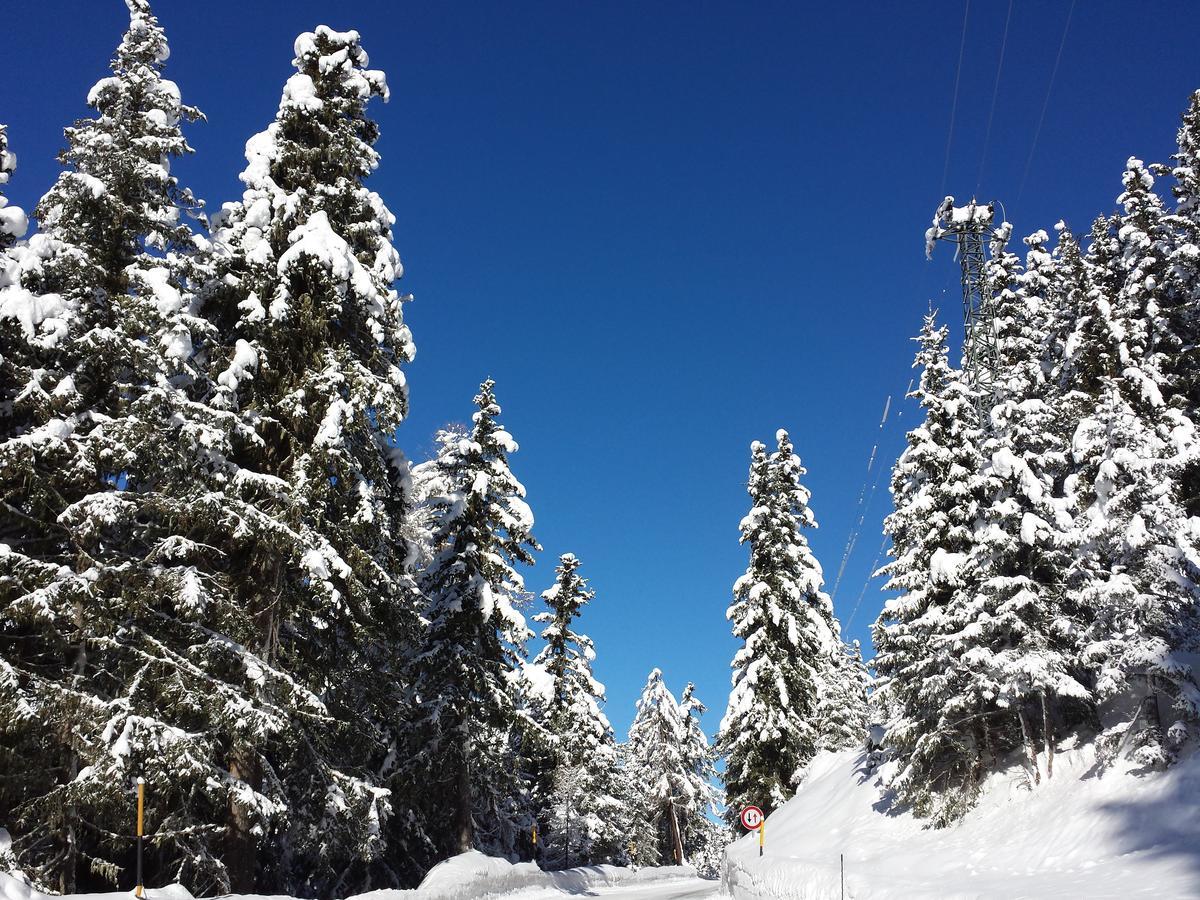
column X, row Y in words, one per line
column 842, row 860
column 141, row 788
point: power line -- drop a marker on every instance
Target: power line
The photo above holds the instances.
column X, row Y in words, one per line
column 995, row 92
column 962, row 45
column 1046, row 103
column 852, row 538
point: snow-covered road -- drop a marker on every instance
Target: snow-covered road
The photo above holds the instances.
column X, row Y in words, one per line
column 685, row 889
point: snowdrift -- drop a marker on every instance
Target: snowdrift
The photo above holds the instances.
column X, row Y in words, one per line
column 466, row 877
column 473, row 875
column 1082, row 834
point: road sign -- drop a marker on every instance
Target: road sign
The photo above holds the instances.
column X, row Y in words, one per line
column 752, row 817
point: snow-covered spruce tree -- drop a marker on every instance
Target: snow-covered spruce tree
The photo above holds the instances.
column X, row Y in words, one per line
column 936, row 727
column 313, row 341
column 581, row 818
column 463, row 756
column 13, row 345
column 112, row 616
column 642, row 841
column 785, row 621
column 702, row 836
column 1017, row 643
column 1137, row 559
column 668, row 771
column 13, row 221
column 1179, row 311
column 842, row 711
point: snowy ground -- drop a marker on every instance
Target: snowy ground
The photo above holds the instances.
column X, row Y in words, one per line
column 472, row 876
column 1081, row 835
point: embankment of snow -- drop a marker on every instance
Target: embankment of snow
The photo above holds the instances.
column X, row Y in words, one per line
column 473, row 875
column 1080, row 834
column 469, row 876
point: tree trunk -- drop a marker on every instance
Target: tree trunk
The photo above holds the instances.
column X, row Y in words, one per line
column 464, row 832
column 1030, row 749
column 675, row 836
column 241, row 846
column 1047, row 737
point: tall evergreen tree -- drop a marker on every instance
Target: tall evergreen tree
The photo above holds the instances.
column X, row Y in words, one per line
column 1020, row 621
column 785, row 621
column 669, row 767
column 13, row 221
column 935, row 727
column 1131, row 448
column 701, row 834
column 842, row 710
column 463, row 681
column 103, row 440
column 581, row 779
column 313, row 341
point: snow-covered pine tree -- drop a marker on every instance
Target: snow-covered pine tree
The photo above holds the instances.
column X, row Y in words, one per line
column 13, row 221
column 581, row 778
column 701, row 833
column 657, row 767
column 842, row 710
column 463, row 755
column 1018, row 641
column 785, row 621
column 13, row 225
column 1179, row 309
column 641, row 841
column 936, row 485
column 313, row 341
column 1137, row 556
column 104, row 447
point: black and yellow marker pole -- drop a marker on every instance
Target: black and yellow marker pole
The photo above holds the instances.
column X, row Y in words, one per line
column 141, row 786
column 762, row 836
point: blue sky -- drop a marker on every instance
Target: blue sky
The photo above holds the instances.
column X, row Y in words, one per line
column 667, row 230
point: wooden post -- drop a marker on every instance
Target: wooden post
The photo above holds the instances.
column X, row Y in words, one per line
column 141, row 786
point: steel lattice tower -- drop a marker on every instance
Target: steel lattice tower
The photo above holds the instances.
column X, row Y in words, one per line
column 968, row 227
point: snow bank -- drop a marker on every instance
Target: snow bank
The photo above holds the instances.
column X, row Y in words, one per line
column 469, row 876
column 1081, row 834
column 474, row 875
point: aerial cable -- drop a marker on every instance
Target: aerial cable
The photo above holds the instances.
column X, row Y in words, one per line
column 1046, row 103
column 882, row 546
column 995, row 92
column 962, row 46
column 852, row 538
column 866, row 581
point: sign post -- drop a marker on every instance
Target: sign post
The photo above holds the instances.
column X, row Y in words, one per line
column 753, row 819
column 141, row 786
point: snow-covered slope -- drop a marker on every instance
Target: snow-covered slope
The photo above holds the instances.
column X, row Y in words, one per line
column 1082, row 834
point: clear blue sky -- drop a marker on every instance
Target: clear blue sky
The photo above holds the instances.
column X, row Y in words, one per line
column 666, row 230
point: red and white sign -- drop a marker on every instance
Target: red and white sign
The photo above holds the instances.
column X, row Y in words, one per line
column 752, row 817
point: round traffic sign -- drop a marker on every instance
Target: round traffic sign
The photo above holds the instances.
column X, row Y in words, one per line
column 752, row 817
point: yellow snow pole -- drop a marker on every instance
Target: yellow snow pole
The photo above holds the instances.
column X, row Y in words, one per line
column 762, row 836
column 141, row 784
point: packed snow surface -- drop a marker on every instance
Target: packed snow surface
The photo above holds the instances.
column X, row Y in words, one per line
column 468, row 876
column 1082, row 834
